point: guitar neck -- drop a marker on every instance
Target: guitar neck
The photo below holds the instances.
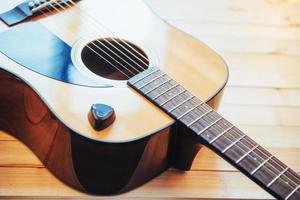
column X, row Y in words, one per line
column 218, row 134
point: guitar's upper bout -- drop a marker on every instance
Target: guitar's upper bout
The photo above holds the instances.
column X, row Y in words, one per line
column 187, row 60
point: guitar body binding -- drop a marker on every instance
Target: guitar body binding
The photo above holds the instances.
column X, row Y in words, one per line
column 89, row 166
column 45, row 99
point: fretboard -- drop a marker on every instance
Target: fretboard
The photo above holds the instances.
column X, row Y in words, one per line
column 218, row 134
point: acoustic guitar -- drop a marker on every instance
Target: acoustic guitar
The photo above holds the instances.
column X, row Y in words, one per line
column 108, row 96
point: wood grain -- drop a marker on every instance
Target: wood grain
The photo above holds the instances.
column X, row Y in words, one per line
column 264, row 83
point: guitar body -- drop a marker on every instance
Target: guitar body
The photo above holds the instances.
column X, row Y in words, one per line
column 47, row 109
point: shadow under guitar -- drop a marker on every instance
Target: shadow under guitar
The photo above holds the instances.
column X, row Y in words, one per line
column 87, row 165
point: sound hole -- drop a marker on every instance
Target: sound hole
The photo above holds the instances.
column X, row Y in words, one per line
column 114, row 58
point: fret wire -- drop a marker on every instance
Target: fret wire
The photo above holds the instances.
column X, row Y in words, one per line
column 202, row 131
column 181, row 103
column 227, row 148
column 142, row 77
column 262, row 164
column 295, row 175
column 281, row 166
column 241, row 158
column 276, row 169
column 157, row 86
column 213, row 140
column 147, row 83
column 198, row 118
column 165, row 91
column 259, row 156
column 196, row 106
column 277, row 177
column 172, row 98
column 243, row 144
column 288, row 196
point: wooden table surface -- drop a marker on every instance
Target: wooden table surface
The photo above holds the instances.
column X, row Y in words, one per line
column 260, row 41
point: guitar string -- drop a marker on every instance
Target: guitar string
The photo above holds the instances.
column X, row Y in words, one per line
column 249, row 141
column 113, row 39
column 257, row 154
column 114, row 66
column 249, row 149
column 57, row 10
column 98, row 23
column 265, row 153
column 280, row 165
column 107, row 54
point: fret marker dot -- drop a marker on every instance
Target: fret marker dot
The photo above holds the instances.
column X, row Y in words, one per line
column 170, row 93
column 208, row 136
column 287, row 182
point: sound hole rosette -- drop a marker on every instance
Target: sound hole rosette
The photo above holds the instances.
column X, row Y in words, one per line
column 98, row 69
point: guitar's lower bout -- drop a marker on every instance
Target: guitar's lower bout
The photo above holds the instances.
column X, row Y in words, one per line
column 87, row 165
column 45, row 97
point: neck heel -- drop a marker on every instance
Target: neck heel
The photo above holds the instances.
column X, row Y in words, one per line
column 187, row 147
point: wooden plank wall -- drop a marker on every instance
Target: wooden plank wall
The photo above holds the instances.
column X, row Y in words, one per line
column 260, row 41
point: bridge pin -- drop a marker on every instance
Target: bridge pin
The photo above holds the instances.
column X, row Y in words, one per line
column 31, row 5
column 37, row 2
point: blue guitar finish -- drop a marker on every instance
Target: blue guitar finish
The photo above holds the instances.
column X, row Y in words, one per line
column 35, row 47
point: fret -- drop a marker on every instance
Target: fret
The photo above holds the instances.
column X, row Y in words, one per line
column 142, row 77
column 148, row 82
column 192, row 115
column 218, row 134
column 188, row 99
column 267, row 173
column 221, row 134
column 198, row 118
column 166, row 101
column 253, row 160
column 235, row 152
column 227, row 148
column 286, row 181
column 244, row 156
column 219, row 129
column 206, row 128
column 292, row 193
column 175, row 101
column 293, row 177
column 284, row 186
column 173, row 86
column 157, row 86
column 160, row 90
column 262, row 164
column 277, row 177
column 190, row 110
column 165, row 91
column 221, row 144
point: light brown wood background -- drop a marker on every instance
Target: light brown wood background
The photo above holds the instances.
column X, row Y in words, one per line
column 260, row 41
